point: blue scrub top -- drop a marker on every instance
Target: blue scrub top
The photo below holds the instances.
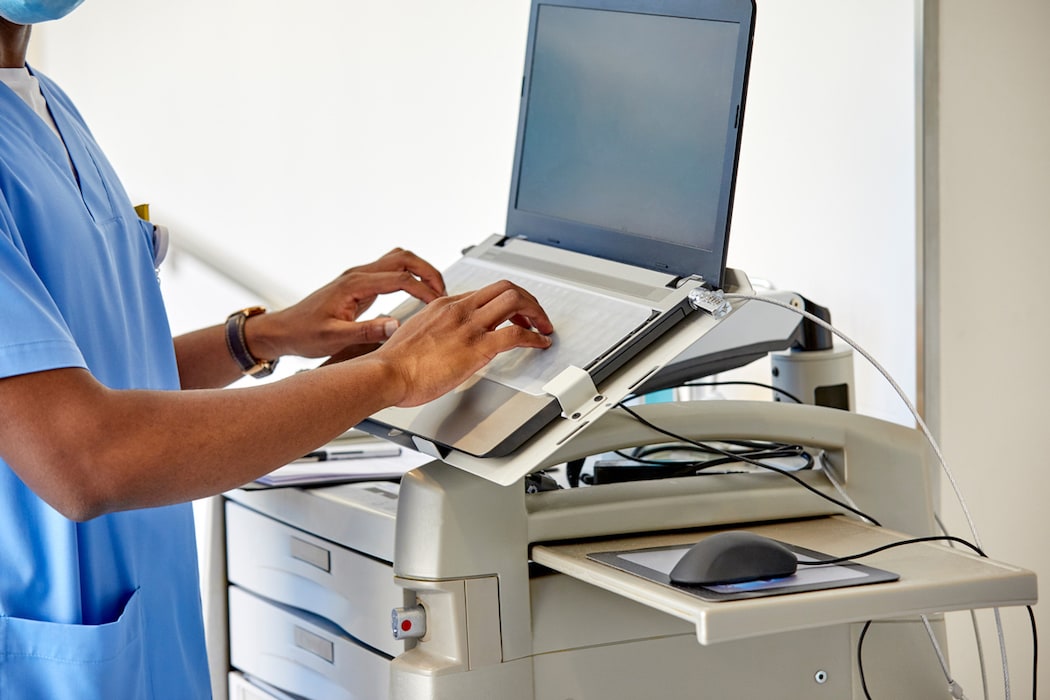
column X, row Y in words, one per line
column 109, row 608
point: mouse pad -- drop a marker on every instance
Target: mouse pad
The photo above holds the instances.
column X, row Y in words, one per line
column 655, row 564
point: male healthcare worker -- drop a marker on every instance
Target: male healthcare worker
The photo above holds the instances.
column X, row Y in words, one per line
column 99, row 452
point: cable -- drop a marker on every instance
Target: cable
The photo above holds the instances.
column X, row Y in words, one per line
column 896, row 387
column 953, row 686
column 778, row 390
column 860, row 659
column 704, row 448
column 891, row 545
column 976, row 628
column 753, row 450
column 1035, row 652
column 829, row 473
column 926, row 432
column 761, row 465
column 922, row 426
column 1002, row 651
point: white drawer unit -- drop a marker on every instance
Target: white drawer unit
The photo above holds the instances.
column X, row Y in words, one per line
column 295, row 568
column 311, row 591
column 301, row 654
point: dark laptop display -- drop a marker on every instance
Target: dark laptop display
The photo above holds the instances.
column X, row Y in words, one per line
column 629, row 131
column 620, row 201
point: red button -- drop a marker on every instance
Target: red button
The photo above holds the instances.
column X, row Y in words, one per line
column 406, row 625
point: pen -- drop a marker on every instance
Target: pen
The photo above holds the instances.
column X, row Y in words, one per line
column 327, row 454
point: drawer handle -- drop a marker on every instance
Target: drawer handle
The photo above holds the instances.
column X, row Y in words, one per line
column 311, row 554
column 315, row 644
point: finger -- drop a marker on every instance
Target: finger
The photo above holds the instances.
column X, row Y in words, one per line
column 505, row 301
column 367, row 285
column 426, row 272
column 378, row 330
column 400, row 260
column 363, row 332
column 510, row 337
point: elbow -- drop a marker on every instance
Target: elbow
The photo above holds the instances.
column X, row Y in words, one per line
column 78, row 506
column 80, row 509
column 63, row 435
column 73, row 487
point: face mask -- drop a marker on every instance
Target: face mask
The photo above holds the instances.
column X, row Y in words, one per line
column 35, row 11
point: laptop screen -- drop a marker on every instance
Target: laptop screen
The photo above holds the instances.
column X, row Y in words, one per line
column 629, row 131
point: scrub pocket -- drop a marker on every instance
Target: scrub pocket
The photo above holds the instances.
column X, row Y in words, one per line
column 74, row 662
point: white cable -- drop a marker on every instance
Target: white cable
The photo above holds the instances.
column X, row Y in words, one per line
column 896, row 387
column 954, row 688
column 922, row 426
column 829, row 474
column 978, row 639
column 1002, row 651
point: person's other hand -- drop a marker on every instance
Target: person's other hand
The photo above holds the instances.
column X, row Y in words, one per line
column 325, row 323
column 453, row 337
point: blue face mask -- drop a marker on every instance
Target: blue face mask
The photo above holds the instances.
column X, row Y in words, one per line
column 35, row 11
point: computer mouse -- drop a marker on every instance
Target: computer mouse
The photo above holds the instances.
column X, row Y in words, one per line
column 734, row 557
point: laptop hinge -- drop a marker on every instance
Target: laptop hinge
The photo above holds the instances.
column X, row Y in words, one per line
column 678, row 282
column 575, row 391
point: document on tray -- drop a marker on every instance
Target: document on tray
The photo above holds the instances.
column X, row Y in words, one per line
column 342, row 461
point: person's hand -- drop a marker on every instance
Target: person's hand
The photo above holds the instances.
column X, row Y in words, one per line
column 325, row 323
column 453, row 337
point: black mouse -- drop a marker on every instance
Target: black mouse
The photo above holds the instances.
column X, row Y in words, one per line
column 734, row 557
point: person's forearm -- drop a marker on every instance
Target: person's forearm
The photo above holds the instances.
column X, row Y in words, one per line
column 149, row 448
column 205, row 361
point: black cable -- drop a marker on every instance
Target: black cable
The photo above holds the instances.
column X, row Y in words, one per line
column 639, row 454
column 573, row 469
column 703, row 448
column 673, row 469
column 769, row 467
column 743, row 383
column 1035, row 653
column 891, row 545
column 755, row 451
column 860, row 659
column 694, row 467
column 867, row 625
column 1035, row 647
column 915, row 540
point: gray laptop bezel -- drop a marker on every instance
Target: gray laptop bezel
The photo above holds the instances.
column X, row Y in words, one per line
column 612, row 244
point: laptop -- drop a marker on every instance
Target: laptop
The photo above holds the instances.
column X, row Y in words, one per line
column 620, row 201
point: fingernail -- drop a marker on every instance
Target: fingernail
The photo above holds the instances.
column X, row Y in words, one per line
column 390, row 326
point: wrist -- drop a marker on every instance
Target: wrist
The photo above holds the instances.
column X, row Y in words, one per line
column 244, row 352
column 262, row 336
column 392, row 383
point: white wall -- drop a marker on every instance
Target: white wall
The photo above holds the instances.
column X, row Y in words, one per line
column 991, row 255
